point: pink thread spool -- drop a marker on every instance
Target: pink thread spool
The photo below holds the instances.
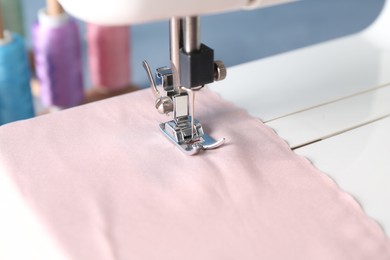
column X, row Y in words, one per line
column 108, row 56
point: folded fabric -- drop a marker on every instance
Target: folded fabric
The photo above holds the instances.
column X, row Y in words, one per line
column 108, row 185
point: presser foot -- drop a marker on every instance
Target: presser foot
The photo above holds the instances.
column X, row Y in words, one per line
column 188, row 141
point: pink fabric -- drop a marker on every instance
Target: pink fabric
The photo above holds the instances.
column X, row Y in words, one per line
column 109, row 186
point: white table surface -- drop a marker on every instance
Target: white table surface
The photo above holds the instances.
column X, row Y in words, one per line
column 359, row 161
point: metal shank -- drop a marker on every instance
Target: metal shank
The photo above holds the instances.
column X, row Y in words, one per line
column 191, row 34
column 175, row 32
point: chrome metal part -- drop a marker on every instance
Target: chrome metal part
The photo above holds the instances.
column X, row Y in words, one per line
column 153, row 85
column 220, row 71
column 163, row 104
column 191, row 62
column 181, row 137
column 181, row 106
column 176, row 34
column 191, row 92
column 192, row 113
column 191, row 34
column 164, row 78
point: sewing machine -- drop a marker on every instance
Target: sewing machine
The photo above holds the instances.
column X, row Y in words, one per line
column 329, row 101
column 192, row 63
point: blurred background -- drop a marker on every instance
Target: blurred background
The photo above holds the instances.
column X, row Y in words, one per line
column 70, row 63
column 244, row 36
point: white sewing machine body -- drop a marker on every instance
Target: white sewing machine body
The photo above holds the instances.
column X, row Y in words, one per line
column 139, row 11
column 330, row 102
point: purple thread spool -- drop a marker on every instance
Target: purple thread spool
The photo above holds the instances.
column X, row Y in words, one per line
column 58, row 60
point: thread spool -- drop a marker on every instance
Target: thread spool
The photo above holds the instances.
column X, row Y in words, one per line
column 15, row 94
column 108, row 56
column 58, row 60
column 13, row 16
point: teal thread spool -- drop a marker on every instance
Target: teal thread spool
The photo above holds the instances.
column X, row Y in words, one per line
column 15, row 94
column 13, row 16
